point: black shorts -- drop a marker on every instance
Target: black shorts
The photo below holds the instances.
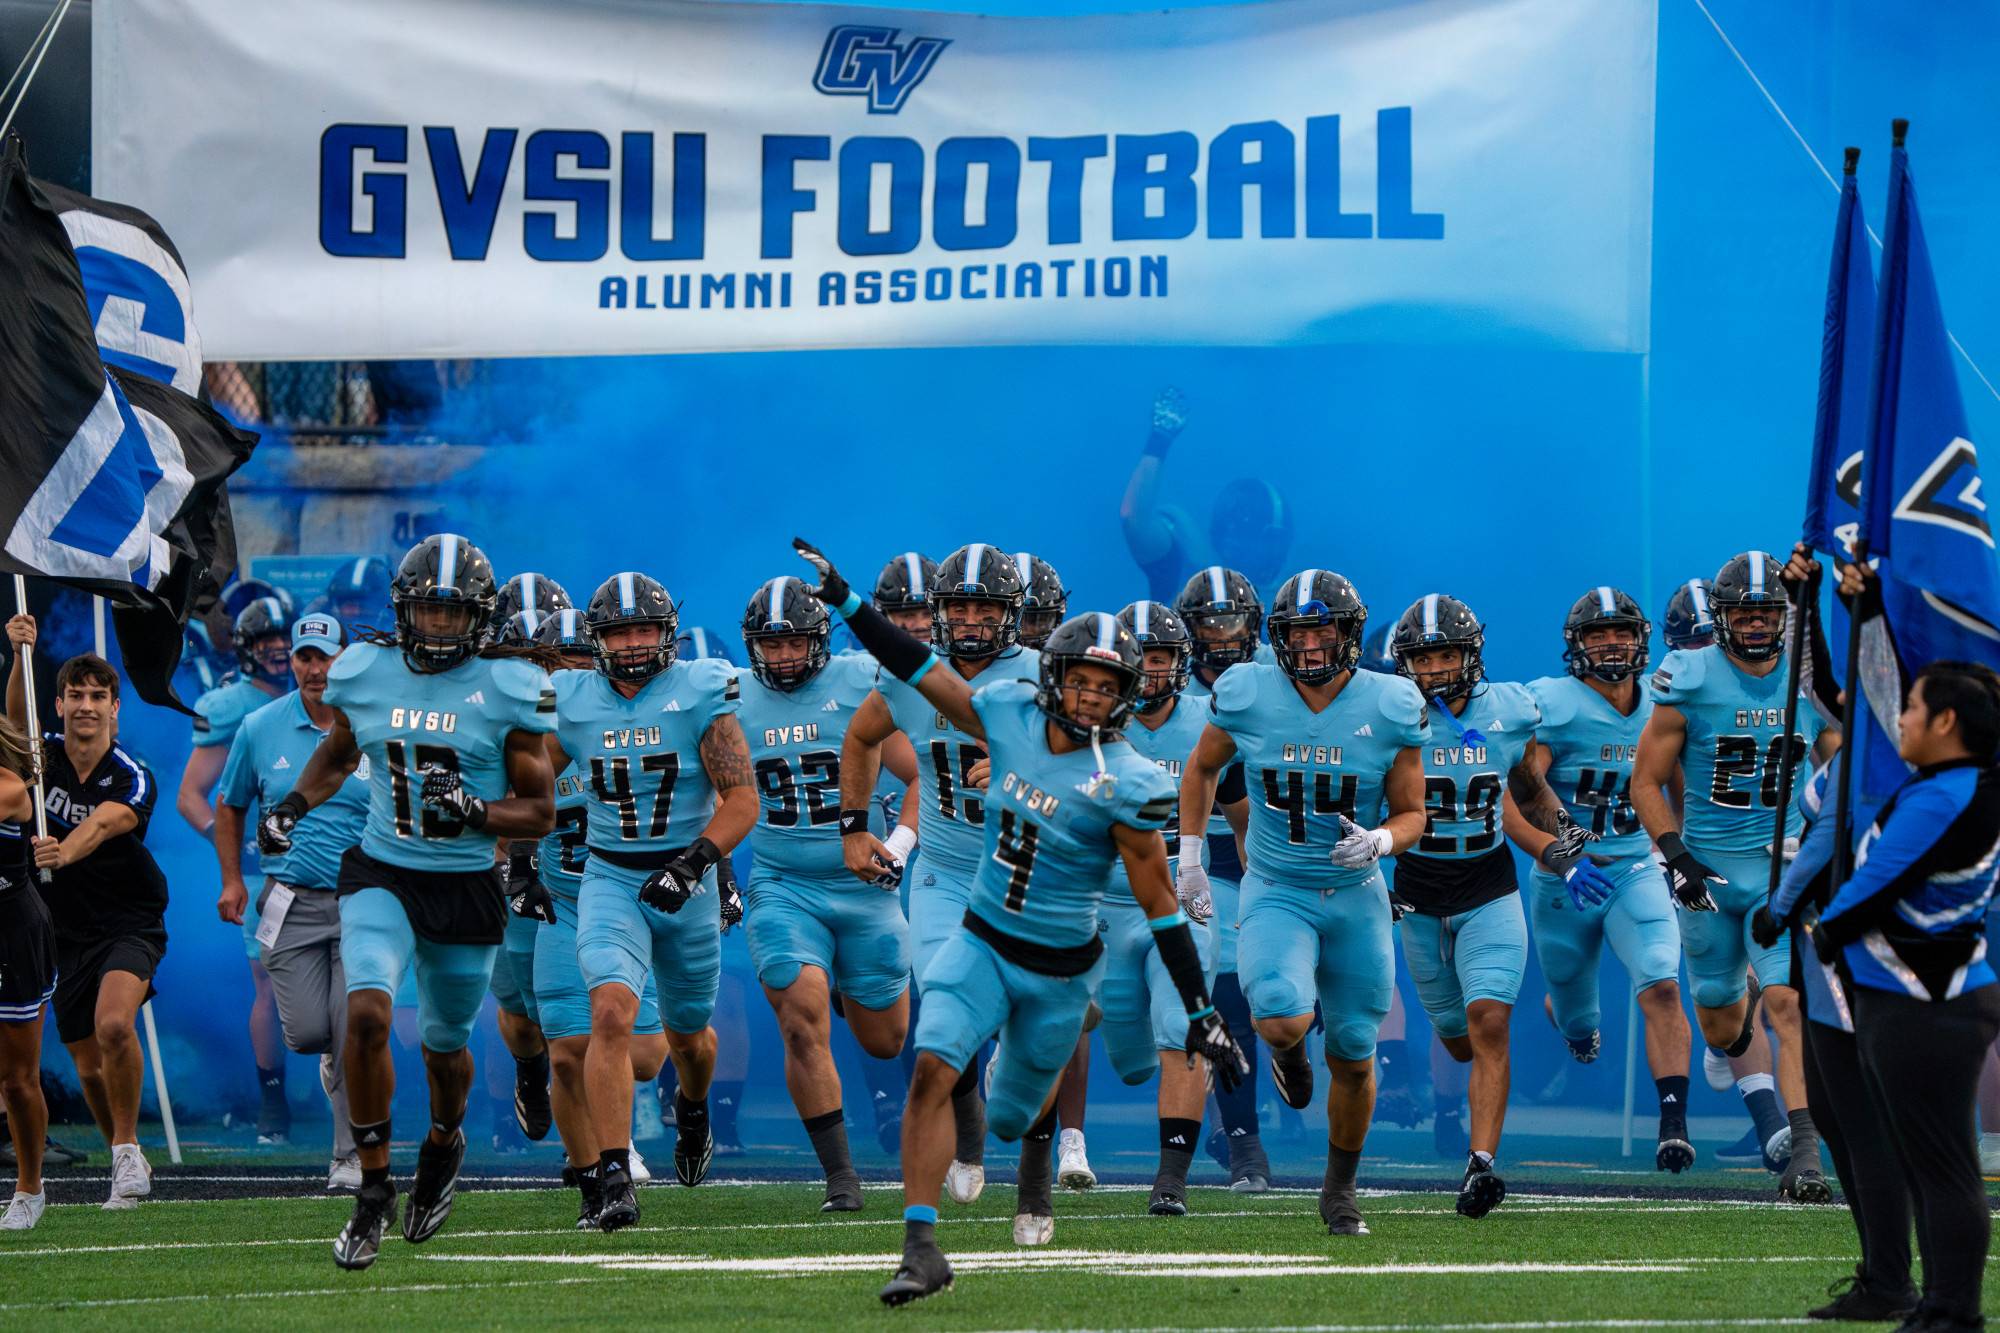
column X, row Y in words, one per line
column 83, row 966
column 27, row 957
column 444, row 906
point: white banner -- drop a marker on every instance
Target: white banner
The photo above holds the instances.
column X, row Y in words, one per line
column 447, row 178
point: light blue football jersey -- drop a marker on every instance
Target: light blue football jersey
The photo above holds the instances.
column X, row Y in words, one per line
column 1048, row 847
column 645, row 786
column 218, row 713
column 951, row 817
column 795, row 738
column 409, row 723
column 1591, row 746
column 1736, row 751
column 271, row 749
column 1303, row 768
column 1466, row 763
column 564, row 850
column 1168, row 748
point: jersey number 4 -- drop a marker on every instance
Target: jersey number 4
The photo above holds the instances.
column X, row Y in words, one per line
column 1285, row 789
column 816, row 787
column 1737, row 757
column 611, row 779
column 1016, row 851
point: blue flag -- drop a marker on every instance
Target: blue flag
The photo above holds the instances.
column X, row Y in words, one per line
column 1923, row 508
column 1840, row 429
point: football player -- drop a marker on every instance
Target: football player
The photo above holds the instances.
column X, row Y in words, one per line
column 669, row 796
column 1465, row 938
column 263, row 642
column 975, row 600
column 358, row 593
column 903, row 592
column 1069, row 797
column 1326, row 751
column 528, row 592
column 1719, row 715
column 544, row 880
column 1688, row 623
column 1044, row 600
column 1591, row 721
column 813, row 927
column 454, row 742
column 1226, row 622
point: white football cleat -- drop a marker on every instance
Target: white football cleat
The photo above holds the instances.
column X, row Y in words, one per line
column 343, row 1176
column 1715, row 1068
column 23, row 1212
column 1033, row 1229
column 963, row 1181
column 131, row 1176
column 1072, row 1164
column 640, row 1175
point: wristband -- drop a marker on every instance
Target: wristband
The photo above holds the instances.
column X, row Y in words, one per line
column 1670, row 845
column 702, row 855
column 850, row 606
column 475, row 814
column 1157, row 443
column 293, row 805
column 852, row 822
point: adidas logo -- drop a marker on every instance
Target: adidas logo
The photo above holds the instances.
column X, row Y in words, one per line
column 832, row 706
column 282, row 763
column 1499, row 725
column 1366, row 729
column 1669, row 1100
column 1178, row 1141
column 476, row 697
column 673, row 706
column 104, row 781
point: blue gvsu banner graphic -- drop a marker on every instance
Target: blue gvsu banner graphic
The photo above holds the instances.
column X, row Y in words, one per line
column 385, row 178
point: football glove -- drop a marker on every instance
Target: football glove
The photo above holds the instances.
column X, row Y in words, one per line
column 274, row 830
column 1567, row 847
column 1359, row 847
column 831, row 588
column 1687, row 878
column 1191, row 887
column 445, row 793
column 1208, row 1037
column 899, row 844
column 674, row 884
column 1765, row 927
column 1588, row 886
column 1170, row 412
column 731, row 904
column 529, row 898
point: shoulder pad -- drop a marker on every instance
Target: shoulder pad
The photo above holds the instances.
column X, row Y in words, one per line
column 353, row 660
column 1401, row 703
column 519, row 679
column 1148, row 795
column 714, row 683
column 1235, row 690
column 1552, row 696
column 1518, row 703
column 221, row 711
column 853, row 676
column 1679, row 676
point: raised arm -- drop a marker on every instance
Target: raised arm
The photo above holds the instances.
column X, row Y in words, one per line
column 1147, row 533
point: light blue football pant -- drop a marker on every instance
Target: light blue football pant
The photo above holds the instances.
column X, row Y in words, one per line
column 1468, row 956
column 561, row 998
column 620, row 939
column 1299, row 945
column 378, row 949
column 1143, row 1012
column 853, row 932
column 1720, row 951
column 514, row 975
column 1637, row 921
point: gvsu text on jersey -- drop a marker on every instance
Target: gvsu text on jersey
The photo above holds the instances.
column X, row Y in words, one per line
column 1034, row 201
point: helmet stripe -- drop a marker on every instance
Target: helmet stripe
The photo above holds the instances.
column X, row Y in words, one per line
column 1430, row 613
column 569, row 622
column 534, row 619
column 913, row 564
column 1606, row 602
column 1107, row 630
column 1757, row 559
column 1024, row 564
column 271, row 605
column 448, row 560
column 1217, row 591
column 1142, row 620
column 627, row 600
column 777, row 594
column 1306, row 581
column 359, row 573
column 528, row 598
column 975, row 556
column 1698, row 594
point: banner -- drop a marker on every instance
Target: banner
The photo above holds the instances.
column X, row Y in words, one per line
column 464, row 178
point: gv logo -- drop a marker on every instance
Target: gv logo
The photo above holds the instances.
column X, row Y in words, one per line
column 863, row 61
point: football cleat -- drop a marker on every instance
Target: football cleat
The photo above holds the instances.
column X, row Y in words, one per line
column 694, row 1149
column 1168, row 1201
column 1584, row 1049
column 1251, row 1182
column 1746, row 1151
column 1675, row 1153
column 924, row 1272
column 1778, row 1151
column 1340, row 1212
column 590, row 1193
column 1804, row 1184
column 843, row 1195
column 1292, row 1075
column 1033, row 1228
column 434, row 1188
column 1853, row 1299
column 532, row 1111
column 889, row 1134
column 1715, row 1068
column 1482, row 1190
column 361, row 1239
column 1073, row 1165
column 964, row 1181
column 618, row 1204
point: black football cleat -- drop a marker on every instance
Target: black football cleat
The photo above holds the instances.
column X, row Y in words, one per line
column 1804, row 1184
column 925, row 1272
column 842, row 1195
column 1340, row 1212
column 1398, row 1106
column 434, row 1188
column 590, row 1191
column 1675, row 1153
column 618, row 1201
column 1853, row 1299
column 360, row 1240
column 1169, row 1200
column 532, row 1111
column 1292, row 1074
column 694, row 1149
column 1482, row 1191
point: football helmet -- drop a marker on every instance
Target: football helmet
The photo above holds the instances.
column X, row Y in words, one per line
column 1605, row 608
column 1317, row 597
column 631, row 598
column 1157, row 625
column 1438, row 621
column 782, row 609
column 443, row 570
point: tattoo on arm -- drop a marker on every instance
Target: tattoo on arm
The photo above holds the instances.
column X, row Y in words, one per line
column 1533, row 796
column 725, row 754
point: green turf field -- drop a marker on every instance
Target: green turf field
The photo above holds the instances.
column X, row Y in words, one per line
column 744, row 1255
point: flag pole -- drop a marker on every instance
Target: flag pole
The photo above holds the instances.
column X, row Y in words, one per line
column 34, row 724
column 50, row 27
column 145, row 1010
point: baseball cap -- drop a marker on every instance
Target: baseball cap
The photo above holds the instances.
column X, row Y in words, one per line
column 318, row 630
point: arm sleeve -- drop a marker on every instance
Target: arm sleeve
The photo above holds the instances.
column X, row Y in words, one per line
column 1923, row 812
column 239, row 778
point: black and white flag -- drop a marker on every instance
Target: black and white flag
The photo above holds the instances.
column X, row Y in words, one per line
column 110, row 477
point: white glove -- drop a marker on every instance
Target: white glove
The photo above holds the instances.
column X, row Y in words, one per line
column 900, row 843
column 1191, row 887
column 1359, row 847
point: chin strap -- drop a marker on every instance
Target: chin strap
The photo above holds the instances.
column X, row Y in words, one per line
column 1102, row 782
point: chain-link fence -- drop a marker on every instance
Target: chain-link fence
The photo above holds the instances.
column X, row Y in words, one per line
column 350, row 402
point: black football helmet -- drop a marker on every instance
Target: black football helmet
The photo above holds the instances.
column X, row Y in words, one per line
column 1689, row 623
column 1044, row 601
column 1157, row 625
column 1375, row 654
column 449, row 571
column 632, row 599
column 564, row 631
column 261, row 619
column 359, row 588
column 1317, row 597
column 1438, row 621
column 905, row 583
column 1100, row 640
column 241, row 592
column 1220, row 608
column 1749, row 584
column 529, row 592
column 976, row 573
column 697, row 643
column 780, row 609
column 520, row 629
column 1605, row 608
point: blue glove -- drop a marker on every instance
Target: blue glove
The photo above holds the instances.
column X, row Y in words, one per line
column 1588, row 886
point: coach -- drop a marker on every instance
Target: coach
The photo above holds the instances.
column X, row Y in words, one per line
column 1906, row 932
column 299, row 934
column 106, row 896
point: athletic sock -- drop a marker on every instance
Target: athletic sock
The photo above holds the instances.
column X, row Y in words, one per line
column 1246, row 1157
column 1392, row 1064
column 829, row 1139
column 1037, row 1178
column 614, row 1159
column 690, row 1116
column 1805, row 1138
column 1673, row 1091
column 919, row 1227
column 1760, row 1098
column 374, row 1177
column 1482, row 1157
column 1341, row 1165
column 1178, row 1137
column 276, row 1111
column 725, row 1096
column 968, row 1113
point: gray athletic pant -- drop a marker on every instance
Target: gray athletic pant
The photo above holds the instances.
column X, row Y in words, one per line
column 311, row 987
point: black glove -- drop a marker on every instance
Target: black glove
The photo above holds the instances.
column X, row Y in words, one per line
column 1765, row 927
column 1568, row 845
column 445, row 793
column 1208, row 1037
column 831, row 589
column 1687, row 878
column 1823, row 944
column 274, row 830
column 731, row 901
column 530, row 898
column 669, row 888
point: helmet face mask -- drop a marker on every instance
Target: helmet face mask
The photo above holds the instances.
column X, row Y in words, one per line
column 631, row 623
column 1747, row 599
column 1689, row 625
column 788, row 634
column 1222, row 639
column 1219, row 606
column 976, row 599
column 444, row 598
column 1166, row 652
column 1044, row 600
column 1317, row 627
column 1091, row 676
column 1038, row 623
column 263, row 640
column 1440, row 644
column 1605, row 637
